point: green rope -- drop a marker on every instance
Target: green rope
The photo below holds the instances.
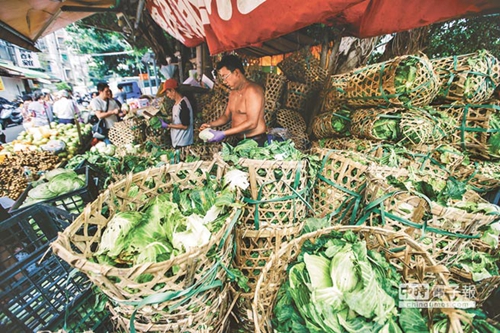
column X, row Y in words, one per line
column 377, row 207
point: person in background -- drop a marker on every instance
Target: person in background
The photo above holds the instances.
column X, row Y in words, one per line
column 66, row 109
column 181, row 128
column 27, row 119
column 245, row 108
column 122, row 95
column 48, row 102
column 104, row 107
column 39, row 110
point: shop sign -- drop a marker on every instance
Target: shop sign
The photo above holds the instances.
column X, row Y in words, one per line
column 27, row 58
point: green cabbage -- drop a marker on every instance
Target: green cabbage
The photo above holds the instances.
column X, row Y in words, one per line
column 112, row 240
column 340, row 288
column 206, row 135
column 41, row 192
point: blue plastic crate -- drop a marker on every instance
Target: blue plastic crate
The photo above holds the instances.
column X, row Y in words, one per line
column 35, row 286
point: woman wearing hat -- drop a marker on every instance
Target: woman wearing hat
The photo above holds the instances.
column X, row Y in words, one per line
column 181, row 128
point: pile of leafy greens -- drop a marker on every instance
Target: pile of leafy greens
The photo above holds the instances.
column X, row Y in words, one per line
column 276, row 150
column 337, row 285
column 167, row 225
column 494, row 138
column 386, row 128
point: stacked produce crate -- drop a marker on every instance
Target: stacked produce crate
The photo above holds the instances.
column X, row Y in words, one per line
column 38, row 290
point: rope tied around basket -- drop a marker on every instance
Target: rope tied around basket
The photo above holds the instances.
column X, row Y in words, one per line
column 296, row 194
column 206, row 282
column 357, row 196
column 377, row 207
column 463, row 124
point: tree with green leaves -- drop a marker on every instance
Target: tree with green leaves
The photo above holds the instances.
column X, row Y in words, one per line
column 111, row 54
column 465, row 36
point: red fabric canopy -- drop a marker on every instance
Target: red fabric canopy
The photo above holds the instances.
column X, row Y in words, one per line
column 227, row 25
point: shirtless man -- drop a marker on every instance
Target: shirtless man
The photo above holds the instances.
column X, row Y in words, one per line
column 245, row 108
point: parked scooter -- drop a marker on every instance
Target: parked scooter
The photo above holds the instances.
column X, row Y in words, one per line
column 10, row 114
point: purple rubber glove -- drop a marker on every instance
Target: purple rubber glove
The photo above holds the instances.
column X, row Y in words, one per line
column 164, row 124
column 218, row 136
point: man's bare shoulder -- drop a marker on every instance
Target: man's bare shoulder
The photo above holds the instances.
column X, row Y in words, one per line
column 254, row 88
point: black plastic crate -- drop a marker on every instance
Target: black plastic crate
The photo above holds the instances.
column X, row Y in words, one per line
column 84, row 315
column 99, row 176
column 4, row 214
column 493, row 197
column 72, row 202
column 35, row 286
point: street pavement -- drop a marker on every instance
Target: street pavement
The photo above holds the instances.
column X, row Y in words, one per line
column 12, row 132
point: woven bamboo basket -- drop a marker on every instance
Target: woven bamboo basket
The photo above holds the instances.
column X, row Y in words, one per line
column 444, row 156
column 348, row 143
column 304, row 67
column 481, row 176
column 301, row 141
column 375, row 85
column 275, row 85
column 338, row 189
column 211, row 316
column 473, row 130
column 364, row 122
column 419, row 126
column 202, row 151
column 270, row 110
column 187, row 271
column 291, row 120
column 253, row 248
column 130, row 131
column 468, row 78
column 444, row 230
column 297, row 95
column 323, row 124
column 277, row 196
column 219, row 97
column 160, row 137
column 406, row 255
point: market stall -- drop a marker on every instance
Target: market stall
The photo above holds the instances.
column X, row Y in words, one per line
column 331, row 231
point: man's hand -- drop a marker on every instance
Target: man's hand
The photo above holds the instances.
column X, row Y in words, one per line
column 204, row 126
column 164, row 124
column 218, row 136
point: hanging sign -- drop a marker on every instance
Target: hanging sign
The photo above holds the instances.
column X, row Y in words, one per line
column 27, row 58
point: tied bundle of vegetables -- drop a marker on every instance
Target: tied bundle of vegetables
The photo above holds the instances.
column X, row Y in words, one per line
column 444, row 156
column 437, row 211
column 338, row 188
column 468, row 78
column 406, row 80
column 424, row 125
column 480, row 265
column 481, row 176
column 376, row 124
column 476, row 128
column 332, row 124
